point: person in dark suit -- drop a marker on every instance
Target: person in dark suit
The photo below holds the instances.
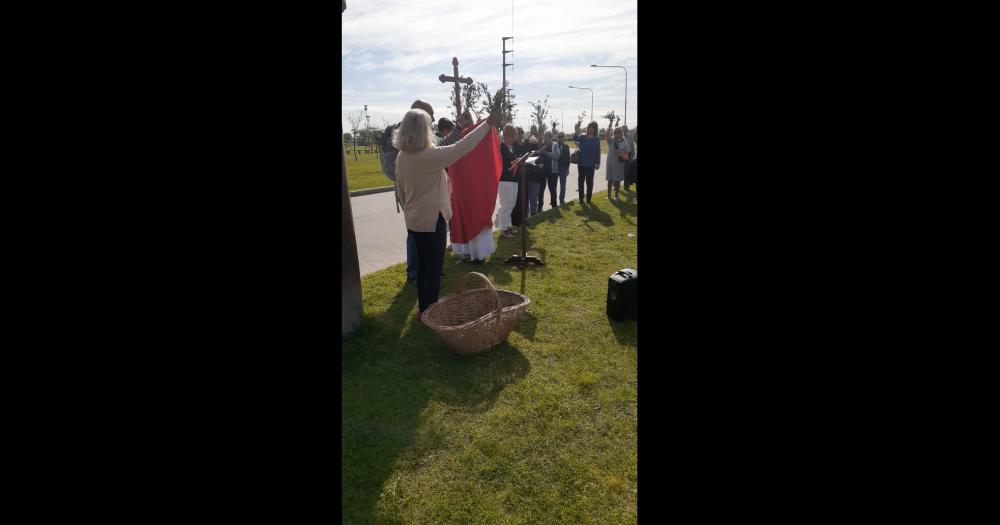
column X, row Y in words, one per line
column 539, row 175
column 558, row 152
column 520, row 148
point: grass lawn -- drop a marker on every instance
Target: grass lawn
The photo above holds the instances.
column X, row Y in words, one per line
column 366, row 172
column 541, row 429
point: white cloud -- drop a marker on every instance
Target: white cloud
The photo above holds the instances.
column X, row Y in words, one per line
column 394, row 50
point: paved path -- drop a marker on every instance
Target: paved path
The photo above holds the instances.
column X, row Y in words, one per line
column 381, row 232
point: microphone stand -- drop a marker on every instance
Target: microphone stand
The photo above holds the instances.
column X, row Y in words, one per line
column 523, row 259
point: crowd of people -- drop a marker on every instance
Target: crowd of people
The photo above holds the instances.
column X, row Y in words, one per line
column 434, row 179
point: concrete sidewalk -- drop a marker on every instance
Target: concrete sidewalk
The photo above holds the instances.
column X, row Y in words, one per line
column 381, row 232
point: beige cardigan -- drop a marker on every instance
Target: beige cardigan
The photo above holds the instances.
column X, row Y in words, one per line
column 423, row 184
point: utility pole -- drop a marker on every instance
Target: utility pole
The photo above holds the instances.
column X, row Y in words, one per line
column 505, row 64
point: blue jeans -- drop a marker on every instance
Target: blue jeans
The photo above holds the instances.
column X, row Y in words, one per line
column 534, row 189
column 412, row 265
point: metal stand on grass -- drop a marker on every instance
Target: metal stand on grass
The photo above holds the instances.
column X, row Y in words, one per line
column 523, row 259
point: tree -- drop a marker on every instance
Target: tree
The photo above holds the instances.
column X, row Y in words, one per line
column 540, row 111
column 497, row 102
column 376, row 140
column 347, row 137
column 471, row 93
column 354, row 118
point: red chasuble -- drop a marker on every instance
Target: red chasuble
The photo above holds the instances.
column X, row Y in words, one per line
column 473, row 183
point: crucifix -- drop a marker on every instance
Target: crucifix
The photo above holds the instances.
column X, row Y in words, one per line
column 456, row 79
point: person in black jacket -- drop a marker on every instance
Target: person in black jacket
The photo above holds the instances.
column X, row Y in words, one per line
column 520, row 148
column 558, row 152
column 538, row 173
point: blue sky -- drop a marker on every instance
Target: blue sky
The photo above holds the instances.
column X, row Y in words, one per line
column 394, row 50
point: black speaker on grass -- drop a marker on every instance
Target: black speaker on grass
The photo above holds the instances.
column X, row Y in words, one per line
column 622, row 287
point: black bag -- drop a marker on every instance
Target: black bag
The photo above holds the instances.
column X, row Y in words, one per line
column 632, row 172
column 622, row 288
column 537, row 171
column 389, row 153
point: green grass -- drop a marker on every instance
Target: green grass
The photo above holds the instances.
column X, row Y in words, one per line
column 366, row 172
column 541, row 429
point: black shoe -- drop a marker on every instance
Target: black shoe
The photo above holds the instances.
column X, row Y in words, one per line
column 411, row 281
column 478, row 261
column 554, row 205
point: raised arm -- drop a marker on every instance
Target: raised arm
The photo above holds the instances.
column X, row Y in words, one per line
column 443, row 156
column 547, row 151
column 463, row 121
column 451, row 138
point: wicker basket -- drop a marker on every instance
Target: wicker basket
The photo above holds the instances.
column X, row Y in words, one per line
column 474, row 321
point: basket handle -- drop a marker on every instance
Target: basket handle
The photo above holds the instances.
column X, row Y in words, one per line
column 461, row 286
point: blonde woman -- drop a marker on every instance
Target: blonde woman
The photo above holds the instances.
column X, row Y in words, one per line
column 423, row 192
column 507, row 189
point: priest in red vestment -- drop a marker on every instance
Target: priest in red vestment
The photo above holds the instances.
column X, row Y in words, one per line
column 473, row 184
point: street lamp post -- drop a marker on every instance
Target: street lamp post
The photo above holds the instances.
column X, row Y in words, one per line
column 591, row 100
column 626, row 89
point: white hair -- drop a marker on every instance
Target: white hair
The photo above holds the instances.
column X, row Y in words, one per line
column 414, row 132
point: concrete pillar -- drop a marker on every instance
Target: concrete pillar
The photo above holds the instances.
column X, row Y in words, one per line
column 350, row 270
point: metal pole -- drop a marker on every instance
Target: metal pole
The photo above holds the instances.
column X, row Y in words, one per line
column 626, row 89
column 505, row 64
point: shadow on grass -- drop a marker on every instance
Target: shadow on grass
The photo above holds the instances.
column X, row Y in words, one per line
column 592, row 214
column 626, row 208
column 625, row 331
column 385, row 392
column 402, row 304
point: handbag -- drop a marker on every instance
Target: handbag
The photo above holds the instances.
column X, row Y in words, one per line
column 623, row 156
column 575, row 156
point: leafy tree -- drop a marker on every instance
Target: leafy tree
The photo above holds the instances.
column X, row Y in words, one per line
column 539, row 112
column 497, row 102
column 354, row 118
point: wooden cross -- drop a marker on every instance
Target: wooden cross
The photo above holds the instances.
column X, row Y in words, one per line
column 456, row 79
